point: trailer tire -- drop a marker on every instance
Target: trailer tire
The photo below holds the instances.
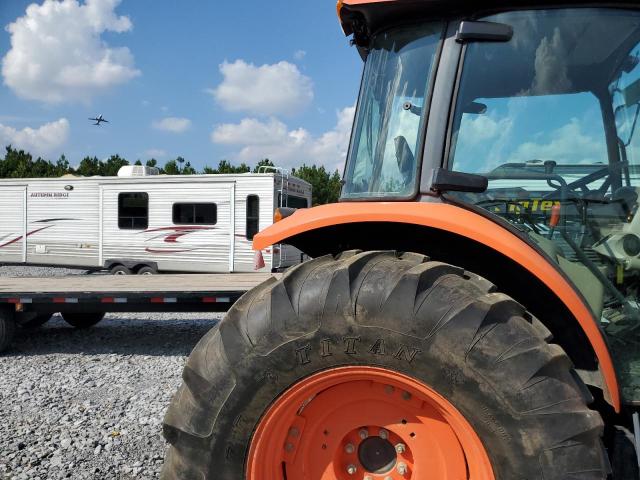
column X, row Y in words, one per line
column 37, row 321
column 147, row 270
column 120, row 270
column 7, row 328
column 83, row 320
column 435, row 332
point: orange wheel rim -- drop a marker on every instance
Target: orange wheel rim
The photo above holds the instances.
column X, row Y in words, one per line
column 365, row 423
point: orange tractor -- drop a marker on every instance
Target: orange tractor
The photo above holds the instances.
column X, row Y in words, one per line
column 472, row 308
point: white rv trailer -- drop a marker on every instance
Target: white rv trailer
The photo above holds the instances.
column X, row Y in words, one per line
column 141, row 222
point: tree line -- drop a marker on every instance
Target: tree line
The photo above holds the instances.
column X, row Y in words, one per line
column 21, row 164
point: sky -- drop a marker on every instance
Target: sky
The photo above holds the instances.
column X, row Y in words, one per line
column 205, row 80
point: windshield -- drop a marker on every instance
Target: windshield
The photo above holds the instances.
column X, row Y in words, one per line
column 385, row 147
column 550, row 118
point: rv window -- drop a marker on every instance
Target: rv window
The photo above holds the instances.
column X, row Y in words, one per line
column 253, row 216
column 133, row 210
column 195, row 213
column 296, row 202
column 293, row 202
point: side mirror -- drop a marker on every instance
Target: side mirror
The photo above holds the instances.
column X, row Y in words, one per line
column 444, row 180
column 470, row 31
column 474, row 108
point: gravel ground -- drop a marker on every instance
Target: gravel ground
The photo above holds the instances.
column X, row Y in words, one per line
column 89, row 403
column 11, row 271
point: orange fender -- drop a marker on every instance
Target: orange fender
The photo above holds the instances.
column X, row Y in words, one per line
column 467, row 224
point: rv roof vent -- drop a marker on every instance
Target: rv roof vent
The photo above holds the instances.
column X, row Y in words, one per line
column 137, row 171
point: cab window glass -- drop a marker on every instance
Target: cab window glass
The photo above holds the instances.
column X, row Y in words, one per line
column 385, row 147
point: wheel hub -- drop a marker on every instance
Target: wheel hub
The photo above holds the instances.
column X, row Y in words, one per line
column 377, row 455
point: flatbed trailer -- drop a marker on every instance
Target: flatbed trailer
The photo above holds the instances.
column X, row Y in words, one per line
column 24, row 298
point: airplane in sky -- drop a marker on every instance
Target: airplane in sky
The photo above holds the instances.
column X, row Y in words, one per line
column 99, row 119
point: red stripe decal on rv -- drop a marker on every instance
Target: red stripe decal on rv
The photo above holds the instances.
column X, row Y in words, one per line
column 17, row 239
column 168, row 250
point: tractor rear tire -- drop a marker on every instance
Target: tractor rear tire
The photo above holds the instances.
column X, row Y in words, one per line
column 7, row 328
column 402, row 317
column 83, row 320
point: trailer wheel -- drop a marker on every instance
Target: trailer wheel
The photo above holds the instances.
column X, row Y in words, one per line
column 37, row 321
column 120, row 270
column 147, row 270
column 381, row 365
column 7, row 328
column 83, row 320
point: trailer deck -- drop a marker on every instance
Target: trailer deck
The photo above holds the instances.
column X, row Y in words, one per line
column 128, row 293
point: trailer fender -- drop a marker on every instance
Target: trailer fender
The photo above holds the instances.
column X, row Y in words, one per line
column 464, row 223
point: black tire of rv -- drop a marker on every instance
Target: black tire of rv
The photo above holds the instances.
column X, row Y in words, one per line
column 146, row 270
column 7, row 328
column 83, row 320
column 120, row 270
column 478, row 348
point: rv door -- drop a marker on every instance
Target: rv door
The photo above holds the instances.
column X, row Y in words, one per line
column 13, row 224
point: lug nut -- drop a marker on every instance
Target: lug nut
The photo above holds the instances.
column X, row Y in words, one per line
column 294, row 432
column 363, row 433
column 389, row 389
column 351, row 469
column 289, row 447
column 349, row 448
column 402, row 468
column 383, row 434
column 400, row 448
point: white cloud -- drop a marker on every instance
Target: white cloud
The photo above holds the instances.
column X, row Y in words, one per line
column 249, row 130
column 568, row 144
column 479, row 129
column 299, row 54
column 43, row 141
column 272, row 139
column 172, row 124
column 57, row 53
column 155, row 153
column 265, row 90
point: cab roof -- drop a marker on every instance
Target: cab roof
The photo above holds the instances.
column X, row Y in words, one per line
column 363, row 17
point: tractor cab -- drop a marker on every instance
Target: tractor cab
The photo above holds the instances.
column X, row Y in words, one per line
column 529, row 114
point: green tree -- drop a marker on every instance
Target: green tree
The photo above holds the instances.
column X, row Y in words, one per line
column 225, row 167
column 188, row 169
column 171, row 168
column 20, row 164
column 89, row 166
column 112, row 165
column 265, row 162
column 138, row 163
column 152, row 162
column 62, row 166
column 326, row 186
